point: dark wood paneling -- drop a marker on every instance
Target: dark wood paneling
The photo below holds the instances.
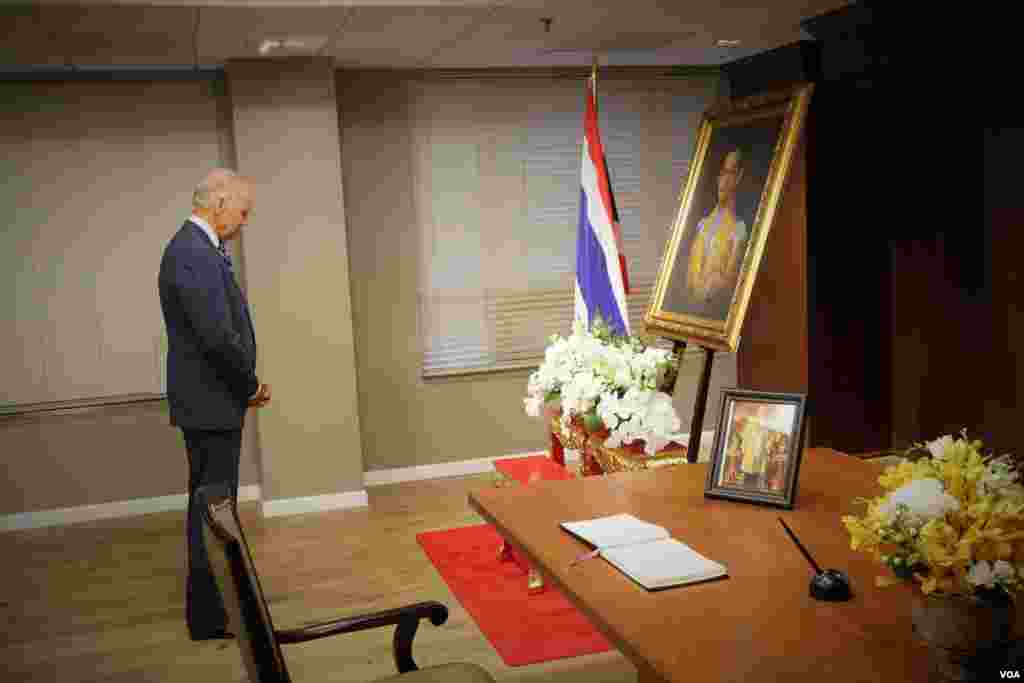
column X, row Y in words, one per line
column 956, row 312
column 997, row 367
column 774, row 69
column 848, row 220
column 773, row 352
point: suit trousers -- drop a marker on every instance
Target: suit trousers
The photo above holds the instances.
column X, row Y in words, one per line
column 213, row 458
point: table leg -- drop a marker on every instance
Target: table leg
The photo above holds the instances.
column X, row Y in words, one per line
column 534, row 580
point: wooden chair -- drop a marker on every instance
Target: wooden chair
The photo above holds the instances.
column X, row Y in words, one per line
column 258, row 640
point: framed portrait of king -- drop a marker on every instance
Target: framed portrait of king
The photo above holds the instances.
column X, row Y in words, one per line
column 735, row 182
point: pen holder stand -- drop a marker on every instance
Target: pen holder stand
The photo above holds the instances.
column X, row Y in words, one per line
column 831, row 585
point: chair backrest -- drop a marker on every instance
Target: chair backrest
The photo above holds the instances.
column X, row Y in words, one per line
column 240, row 587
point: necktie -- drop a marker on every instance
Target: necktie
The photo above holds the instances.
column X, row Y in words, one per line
column 224, row 253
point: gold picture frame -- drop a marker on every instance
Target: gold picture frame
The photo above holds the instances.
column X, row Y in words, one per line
column 737, row 175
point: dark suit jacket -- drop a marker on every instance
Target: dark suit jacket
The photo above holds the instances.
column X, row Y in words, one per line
column 211, row 354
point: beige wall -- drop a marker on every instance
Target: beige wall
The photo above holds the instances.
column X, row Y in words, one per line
column 286, row 138
column 406, row 420
column 97, row 455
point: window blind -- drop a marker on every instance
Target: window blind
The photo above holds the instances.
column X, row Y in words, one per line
column 98, row 177
column 496, row 172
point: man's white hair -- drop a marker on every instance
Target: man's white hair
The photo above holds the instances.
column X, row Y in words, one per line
column 220, row 183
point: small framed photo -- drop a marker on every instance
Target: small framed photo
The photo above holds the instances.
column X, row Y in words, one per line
column 757, row 448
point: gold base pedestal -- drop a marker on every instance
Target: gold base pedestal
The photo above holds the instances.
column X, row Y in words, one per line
column 596, row 458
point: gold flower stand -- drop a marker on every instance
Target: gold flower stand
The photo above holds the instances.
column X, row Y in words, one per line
column 632, row 459
column 596, row 458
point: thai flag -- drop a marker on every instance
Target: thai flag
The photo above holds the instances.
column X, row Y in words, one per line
column 601, row 280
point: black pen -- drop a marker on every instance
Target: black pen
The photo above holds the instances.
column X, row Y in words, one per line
column 800, row 546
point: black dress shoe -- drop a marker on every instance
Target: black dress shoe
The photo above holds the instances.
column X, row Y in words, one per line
column 216, row 635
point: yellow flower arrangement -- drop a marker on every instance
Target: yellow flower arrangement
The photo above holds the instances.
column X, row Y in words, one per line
column 953, row 520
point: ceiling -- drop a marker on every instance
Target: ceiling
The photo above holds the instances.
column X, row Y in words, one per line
column 396, row 34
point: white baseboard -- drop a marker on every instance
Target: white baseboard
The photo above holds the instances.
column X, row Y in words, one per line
column 285, row 506
column 330, row 501
column 480, row 466
column 121, row 508
column 444, row 469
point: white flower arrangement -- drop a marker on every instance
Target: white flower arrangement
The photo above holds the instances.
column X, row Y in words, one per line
column 610, row 382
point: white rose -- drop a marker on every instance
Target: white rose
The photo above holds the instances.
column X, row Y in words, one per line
column 643, row 367
column 607, row 407
column 981, row 574
column 557, row 352
column 655, row 354
column 662, row 413
column 533, row 405
column 938, row 447
column 547, row 378
column 623, row 377
column 924, row 498
column 1003, row 570
column 589, row 387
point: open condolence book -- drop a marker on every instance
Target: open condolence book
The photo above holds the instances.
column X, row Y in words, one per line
column 645, row 552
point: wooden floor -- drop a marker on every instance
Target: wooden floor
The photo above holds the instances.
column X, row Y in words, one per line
column 104, row 601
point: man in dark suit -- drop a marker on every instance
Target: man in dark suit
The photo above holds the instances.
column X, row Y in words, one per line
column 211, row 367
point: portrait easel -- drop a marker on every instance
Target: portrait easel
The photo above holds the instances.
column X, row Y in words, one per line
column 671, row 314
column 700, row 401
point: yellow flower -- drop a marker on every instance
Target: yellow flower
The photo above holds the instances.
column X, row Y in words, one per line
column 979, row 543
column 886, row 581
column 938, row 543
column 953, row 479
column 903, row 473
column 941, row 581
column 862, row 536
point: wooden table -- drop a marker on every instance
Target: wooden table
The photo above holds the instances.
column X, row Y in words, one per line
column 759, row 624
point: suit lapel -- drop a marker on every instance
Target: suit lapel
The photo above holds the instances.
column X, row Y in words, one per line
column 226, row 272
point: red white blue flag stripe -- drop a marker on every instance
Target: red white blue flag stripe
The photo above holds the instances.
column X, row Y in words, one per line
column 601, row 280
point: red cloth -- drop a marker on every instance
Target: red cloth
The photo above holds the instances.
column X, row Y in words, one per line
column 557, row 451
column 531, row 468
column 522, row 628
